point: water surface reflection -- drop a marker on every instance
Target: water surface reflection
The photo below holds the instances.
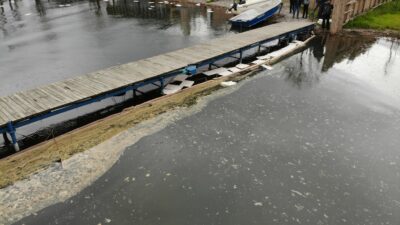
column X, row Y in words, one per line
column 46, row 41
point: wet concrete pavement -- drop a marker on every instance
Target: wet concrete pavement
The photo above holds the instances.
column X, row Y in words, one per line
column 311, row 142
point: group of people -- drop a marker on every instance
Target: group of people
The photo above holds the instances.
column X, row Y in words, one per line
column 295, row 6
column 324, row 7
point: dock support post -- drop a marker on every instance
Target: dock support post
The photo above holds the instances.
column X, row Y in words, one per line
column 11, row 131
column 161, row 83
column 241, row 55
column 6, row 140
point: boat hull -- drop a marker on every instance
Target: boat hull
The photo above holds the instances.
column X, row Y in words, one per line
column 260, row 18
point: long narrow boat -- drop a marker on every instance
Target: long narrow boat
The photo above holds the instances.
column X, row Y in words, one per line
column 255, row 12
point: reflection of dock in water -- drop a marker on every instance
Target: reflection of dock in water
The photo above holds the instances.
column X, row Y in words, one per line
column 169, row 14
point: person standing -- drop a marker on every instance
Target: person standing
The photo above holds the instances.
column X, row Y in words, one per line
column 306, row 3
column 327, row 9
column 319, row 6
column 296, row 8
column 291, row 6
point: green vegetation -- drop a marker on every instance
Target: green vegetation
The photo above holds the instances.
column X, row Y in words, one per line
column 386, row 16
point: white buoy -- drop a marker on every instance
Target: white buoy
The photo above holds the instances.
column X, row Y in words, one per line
column 198, row 4
column 178, row 5
column 210, row 10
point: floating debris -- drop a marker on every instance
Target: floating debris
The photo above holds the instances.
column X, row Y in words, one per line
column 107, row 220
column 242, row 66
column 198, row 4
column 178, row 5
column 228, row 83
column 267, row 67
column 298, row 193
column 258, row 203
column 210, row 10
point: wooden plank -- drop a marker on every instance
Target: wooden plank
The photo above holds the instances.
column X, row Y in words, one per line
column 33, row 100
column 54, row 96
column 95, row 87
column 17, row 110
column 28, row 100
column 76, row 88
column 28, row 108
column 59, row 87
column 44, row 99
column 12, row 112
column 110, row 83
column 6, row 113
column 59, row 96
column 3, row 119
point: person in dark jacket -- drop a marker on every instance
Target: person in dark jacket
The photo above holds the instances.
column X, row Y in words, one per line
column 291, row 6
column 327, row 9
column 306, row 3
column 296, row 8
column 319, row 5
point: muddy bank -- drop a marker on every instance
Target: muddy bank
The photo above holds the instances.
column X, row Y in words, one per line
column 371, row 32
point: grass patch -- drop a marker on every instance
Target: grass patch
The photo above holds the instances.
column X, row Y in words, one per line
column 384, row 17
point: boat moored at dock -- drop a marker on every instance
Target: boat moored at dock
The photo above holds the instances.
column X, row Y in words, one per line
column 253, row 13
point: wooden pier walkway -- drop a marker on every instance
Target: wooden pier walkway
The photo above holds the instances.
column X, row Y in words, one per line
column 25, row 105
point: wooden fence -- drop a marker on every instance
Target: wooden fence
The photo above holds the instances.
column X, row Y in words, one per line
column 346, row 10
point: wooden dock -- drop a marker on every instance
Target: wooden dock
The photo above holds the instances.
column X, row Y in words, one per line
column 19, row 107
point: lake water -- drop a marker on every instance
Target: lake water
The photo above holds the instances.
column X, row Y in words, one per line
column 315, row 141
